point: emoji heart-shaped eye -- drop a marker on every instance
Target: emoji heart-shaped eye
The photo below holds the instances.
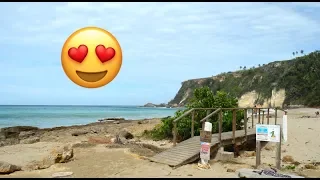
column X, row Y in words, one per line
column 78, row 54
column 105, row 54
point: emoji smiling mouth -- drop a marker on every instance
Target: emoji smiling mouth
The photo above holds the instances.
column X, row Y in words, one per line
column 91, row 76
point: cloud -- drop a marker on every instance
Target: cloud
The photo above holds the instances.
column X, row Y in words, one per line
column 163, row 43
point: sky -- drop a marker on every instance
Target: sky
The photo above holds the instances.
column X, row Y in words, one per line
column 163, row 44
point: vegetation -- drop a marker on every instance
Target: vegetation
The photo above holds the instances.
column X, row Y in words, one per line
column 299, row 77
column 203, row 98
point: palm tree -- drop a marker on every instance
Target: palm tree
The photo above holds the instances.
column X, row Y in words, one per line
column 240, row 67
column 293, row 53
column 301, row 51
column 296, row 52
column 244, row 67
column 259, row 65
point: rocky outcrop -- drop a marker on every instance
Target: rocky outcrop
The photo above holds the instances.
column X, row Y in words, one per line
column 17, row 134
column 277, row 84
column 156, row 105
column 58, row 155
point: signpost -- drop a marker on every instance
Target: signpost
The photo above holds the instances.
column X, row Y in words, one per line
column 270, row 133
column 205, row 142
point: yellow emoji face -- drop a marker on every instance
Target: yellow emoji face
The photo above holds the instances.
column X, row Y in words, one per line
column 91, row 57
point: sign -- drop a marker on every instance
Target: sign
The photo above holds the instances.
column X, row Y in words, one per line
column 285, row 128
column 205, row 151
column 268, row 133
column 205, row 136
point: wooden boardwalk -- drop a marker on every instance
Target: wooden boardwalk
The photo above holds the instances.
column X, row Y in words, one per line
column 189, row 150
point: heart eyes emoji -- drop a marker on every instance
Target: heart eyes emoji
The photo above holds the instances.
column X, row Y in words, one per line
column 80, row 53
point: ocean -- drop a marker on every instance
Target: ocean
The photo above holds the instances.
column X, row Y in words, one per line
column 52, row 116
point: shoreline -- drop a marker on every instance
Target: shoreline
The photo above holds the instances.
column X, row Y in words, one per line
column 97, row 154
column 99, row 121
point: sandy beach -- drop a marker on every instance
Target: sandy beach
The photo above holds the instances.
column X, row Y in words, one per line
column 96, row 155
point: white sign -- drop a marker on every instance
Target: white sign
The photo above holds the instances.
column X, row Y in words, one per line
column 268, row 133
column 205, row 151
column 285, row 128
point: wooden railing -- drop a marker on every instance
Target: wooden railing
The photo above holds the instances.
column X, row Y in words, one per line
column 220, row 111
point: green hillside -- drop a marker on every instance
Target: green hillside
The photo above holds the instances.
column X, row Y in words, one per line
column 300, row 77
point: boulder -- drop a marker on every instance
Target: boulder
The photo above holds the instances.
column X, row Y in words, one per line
column 125, row 134
column 59, row 155
column 7, row 168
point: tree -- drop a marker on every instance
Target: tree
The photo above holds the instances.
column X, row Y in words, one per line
column 301, row 52
column 294, row 53
column 259, row 65
column 203, row 98
column 297, row 52
column 240, row 67
column 244, row 68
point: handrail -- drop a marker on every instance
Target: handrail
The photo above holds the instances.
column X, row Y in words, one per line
column 174, row 132
column 211, row 114
column 183, row 115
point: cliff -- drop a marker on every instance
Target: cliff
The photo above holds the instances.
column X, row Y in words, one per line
column 277, row 84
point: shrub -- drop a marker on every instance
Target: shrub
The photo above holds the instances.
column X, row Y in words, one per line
column 203, row 98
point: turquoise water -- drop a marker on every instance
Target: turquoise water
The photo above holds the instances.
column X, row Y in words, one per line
column 52, row 116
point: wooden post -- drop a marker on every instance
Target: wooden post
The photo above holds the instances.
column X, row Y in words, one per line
column 234, row 126
column 192, row 124
column 258, row 154
column 278, row 151
column 220, row 126
column 174, row 133
column 262, row 117
column 259, row 117
column 245, row 124
column 252, row 118
column 268, row 116
column 208, row 112
column 275, row 116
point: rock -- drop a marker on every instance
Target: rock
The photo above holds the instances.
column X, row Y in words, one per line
column 116, row 122
column 61, row 174
column 288, row 159
column 7, row 168
column 310, row 166
column 231, row 170
column 59, row 155
column 78, row 133
column 119, row 140
column 189, row 175
column 126, row 134
column 249, row 153
column 162, row 144
column 30, row 140
column 26, row 134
